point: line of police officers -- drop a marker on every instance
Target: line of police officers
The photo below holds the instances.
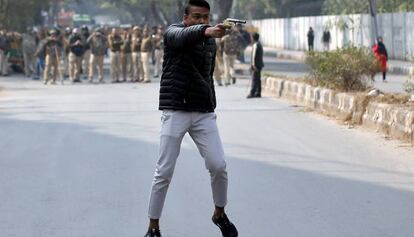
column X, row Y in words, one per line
column 130, row 52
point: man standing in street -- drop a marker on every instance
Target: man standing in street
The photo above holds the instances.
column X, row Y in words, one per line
column 86, row 57
column 52, row 48
column 146, row 50
column 326, row 39
column 311, row 38
column 98, row 43
column 187, row 101
column 138, row 74
column 231, row 48
column 76, row 52
column 159, row 50
column 256, row 67
column 126, row 57
column 115, row 41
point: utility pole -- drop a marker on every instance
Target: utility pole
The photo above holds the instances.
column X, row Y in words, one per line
column 374, row 23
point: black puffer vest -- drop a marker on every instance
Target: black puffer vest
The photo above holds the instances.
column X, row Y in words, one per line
column 186, row 81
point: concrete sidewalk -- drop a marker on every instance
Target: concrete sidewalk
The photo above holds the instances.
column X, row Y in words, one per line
column 394, row 66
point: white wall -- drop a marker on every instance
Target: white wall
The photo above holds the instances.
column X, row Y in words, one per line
column 290, row 33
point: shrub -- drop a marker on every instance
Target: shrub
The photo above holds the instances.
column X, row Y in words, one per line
column 347, row 69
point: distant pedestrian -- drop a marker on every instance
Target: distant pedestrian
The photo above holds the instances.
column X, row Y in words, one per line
column 256, row 67
column 245, row 40
column 311, row 38
column 326, row 40
column 381, row 54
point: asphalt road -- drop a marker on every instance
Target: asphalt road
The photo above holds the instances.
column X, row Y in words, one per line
column 77, row 161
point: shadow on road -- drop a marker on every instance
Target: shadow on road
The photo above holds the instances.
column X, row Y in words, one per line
column 66, row 179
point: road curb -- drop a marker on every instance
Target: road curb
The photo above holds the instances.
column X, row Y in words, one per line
column 355, row 108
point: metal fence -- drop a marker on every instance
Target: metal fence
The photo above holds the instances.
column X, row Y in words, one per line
column 290, row 33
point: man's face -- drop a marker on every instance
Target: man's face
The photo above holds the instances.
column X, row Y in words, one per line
column 196, row 16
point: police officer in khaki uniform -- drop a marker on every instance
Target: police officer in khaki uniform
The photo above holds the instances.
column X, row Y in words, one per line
column 52, row 48
column 126, row 57
column 66, row 50
column 76, row 52
column 136, row 40
column 159, row 50
column 231, row 48
column 99, row 45
column 146, row 49
column 86, row 57
column 115, row 42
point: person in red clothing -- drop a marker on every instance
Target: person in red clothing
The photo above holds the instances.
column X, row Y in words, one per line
column 382, row 56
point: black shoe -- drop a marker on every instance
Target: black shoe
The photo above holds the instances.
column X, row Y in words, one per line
column 227, row 228
column 153, row 233
column 258, row 96
column 234, row 80
column 249, row 97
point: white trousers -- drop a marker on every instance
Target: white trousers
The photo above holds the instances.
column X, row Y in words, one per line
column 203, row 130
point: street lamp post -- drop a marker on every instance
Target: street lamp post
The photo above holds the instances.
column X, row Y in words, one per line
column 374, row 23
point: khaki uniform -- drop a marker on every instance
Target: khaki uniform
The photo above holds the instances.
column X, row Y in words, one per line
column 218, row 69
column 159, row 54
column 98, row 49
column 138, row 72
column 126, row 58
column 66, row 51
column 52, row 50
column 146, row 49
column 115, row 42
column 231, row 47
column 86, row 57
column 75, row 58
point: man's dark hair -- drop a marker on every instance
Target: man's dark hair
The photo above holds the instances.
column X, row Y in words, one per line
column 256, row 36
column 196, row 3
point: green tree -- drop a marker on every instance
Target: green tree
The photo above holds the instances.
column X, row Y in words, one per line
column 17, row 15
column 338, row 7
